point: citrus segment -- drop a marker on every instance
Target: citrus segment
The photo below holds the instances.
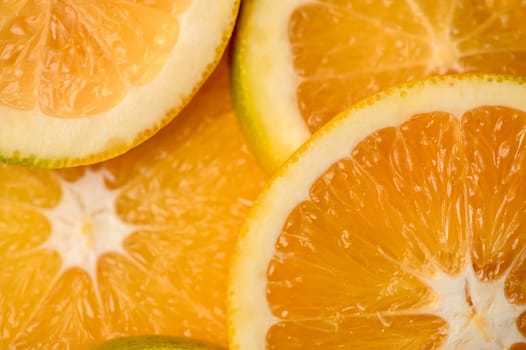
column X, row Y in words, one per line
column 301, row 264
column 516, row 283
column 360, row 332
column 31, row 272
column 21, row 52
column 379, row 169
column 323, row 56
column 401, row 231
column 19, row 235
column 135, row 245
column 89, row 68
column 85, row 55
column 521, row 323
column 70, row 317
column 32, row 187
column 167, row 6
column 495, row 155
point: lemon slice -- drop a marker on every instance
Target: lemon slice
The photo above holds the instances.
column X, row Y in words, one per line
column 84, row 81
column 299, row 62
column 398, row 225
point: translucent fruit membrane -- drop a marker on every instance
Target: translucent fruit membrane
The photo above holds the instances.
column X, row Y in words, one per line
column 78, row 58
column 345, row 50
column 437, row 195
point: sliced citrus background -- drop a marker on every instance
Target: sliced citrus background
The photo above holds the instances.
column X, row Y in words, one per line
column 82, row 81
column 399, row 225
column 300, row 62
column 135, row 245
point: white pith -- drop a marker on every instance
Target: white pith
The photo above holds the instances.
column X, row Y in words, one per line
column 85, row 225
column 250, row 316
column 203, row 28
column 268, row 75
column 490, row 323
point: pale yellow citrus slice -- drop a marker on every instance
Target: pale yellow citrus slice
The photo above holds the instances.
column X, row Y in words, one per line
column 154, row 342
column 82, row 81
column 399, row 225
column 299, row 62
column 138, row 244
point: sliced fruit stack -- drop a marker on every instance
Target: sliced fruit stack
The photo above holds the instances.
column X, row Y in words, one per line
column 394, row 218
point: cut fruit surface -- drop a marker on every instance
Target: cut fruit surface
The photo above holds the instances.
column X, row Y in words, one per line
column 135, row 245
column 399, row 224
column 298, row 63
column 84, row 81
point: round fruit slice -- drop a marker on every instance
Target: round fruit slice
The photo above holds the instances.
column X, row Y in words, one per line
column 135, row 245
column 398, row 225
column 82, row 81
column 154, row 342
column 298, row 63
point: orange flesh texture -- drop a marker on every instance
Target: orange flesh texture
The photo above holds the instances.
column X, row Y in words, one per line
column 345, row 50
column 78, row 58
column 186, row 190
column 432, row 195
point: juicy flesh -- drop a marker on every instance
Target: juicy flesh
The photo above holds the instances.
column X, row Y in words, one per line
column 414, row 240
column 344, row 50
column 77, row 58
column 182, row 195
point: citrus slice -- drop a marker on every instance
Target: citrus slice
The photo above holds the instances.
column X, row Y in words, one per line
column 154, row 342
column 135, row 245
column 299, row 62
column 398, row 225
column 82, row 81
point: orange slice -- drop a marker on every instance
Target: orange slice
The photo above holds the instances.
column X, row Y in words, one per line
column 398, row 225
column 82, row 81
column 299, row 62
column 155, row 342
column 135, row 245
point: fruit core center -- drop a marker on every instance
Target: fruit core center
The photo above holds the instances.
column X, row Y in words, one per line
column 445, row 56
column 477, row 316
column 87, row 230
column 478, row 313
column 85, row 225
